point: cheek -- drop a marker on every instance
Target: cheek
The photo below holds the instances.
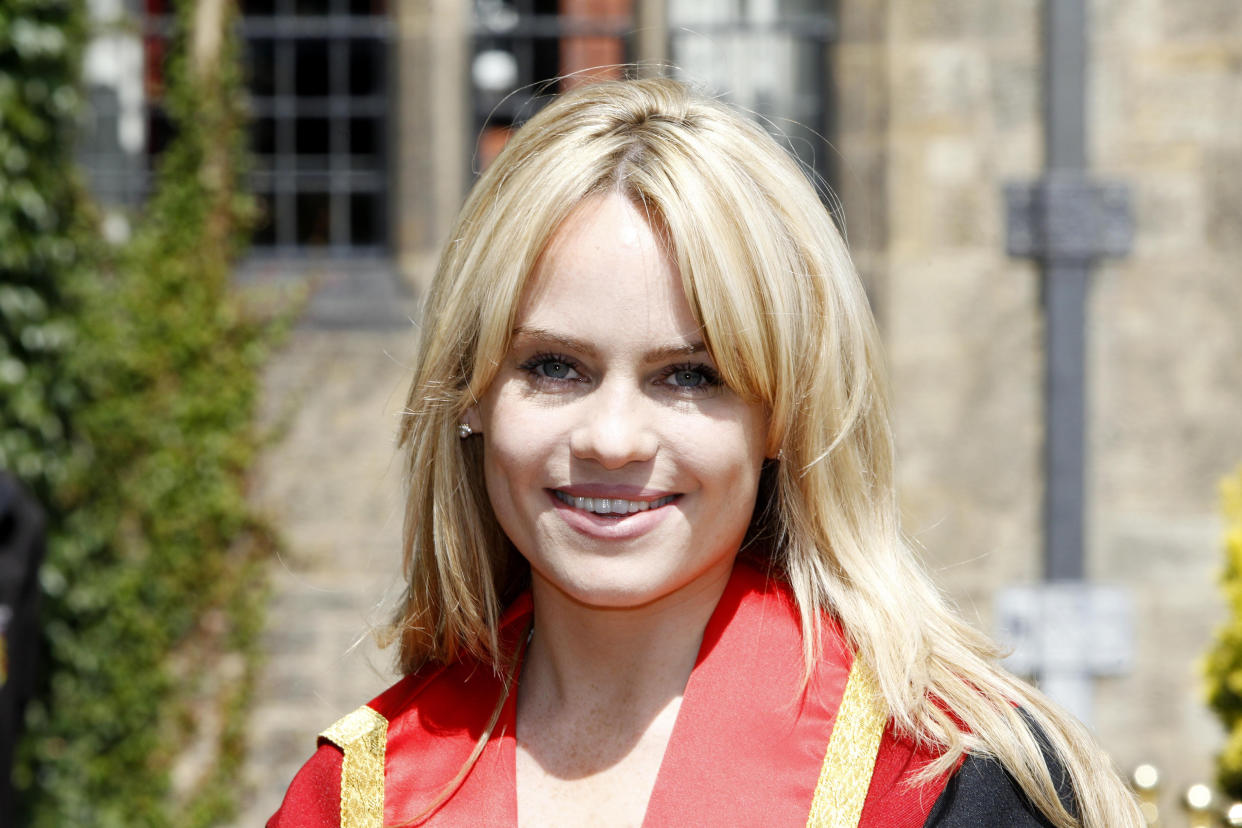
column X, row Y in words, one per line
column 508, row 474
column 507, row 463
column 727, row 453
column 517, row 447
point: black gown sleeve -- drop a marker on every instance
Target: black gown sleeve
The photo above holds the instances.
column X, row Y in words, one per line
column 983, row 793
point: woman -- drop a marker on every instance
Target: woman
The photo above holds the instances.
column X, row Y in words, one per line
column 654, row 566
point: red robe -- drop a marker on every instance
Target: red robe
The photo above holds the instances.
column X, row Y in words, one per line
column 747, row 748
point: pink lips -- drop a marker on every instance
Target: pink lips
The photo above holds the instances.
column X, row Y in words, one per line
column 613, row 525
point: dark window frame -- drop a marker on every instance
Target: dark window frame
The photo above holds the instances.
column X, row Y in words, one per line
column 342, row 189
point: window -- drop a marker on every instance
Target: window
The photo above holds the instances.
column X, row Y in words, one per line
column 525, row 51
column 317, row 76
column 317, row 71
column 768, row 56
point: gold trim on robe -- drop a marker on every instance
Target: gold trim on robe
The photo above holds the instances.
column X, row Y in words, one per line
column 363, row 737
column 850, row 760
column 752, row 612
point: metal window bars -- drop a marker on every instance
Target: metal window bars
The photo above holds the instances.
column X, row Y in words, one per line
column 318, row 81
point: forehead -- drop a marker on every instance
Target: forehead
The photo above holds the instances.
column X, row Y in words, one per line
column 605, row 273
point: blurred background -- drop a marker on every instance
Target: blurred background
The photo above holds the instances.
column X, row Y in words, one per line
column 1044, row 199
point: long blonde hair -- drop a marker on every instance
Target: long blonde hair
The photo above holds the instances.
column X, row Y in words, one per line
column 787, row 322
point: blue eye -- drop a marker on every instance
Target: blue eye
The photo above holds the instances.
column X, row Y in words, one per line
column 687, row 378
column 695, row 378
column 554, row 370
column 551, row 368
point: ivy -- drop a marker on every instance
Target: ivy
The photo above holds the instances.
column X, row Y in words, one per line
column 129, row 381
column 44, row 241
column 1224, row 662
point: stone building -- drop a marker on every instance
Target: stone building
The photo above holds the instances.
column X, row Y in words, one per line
column 939, row 106
column 373, row 117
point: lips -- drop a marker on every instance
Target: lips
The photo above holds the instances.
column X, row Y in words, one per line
column 617, row 506
column 602, row 518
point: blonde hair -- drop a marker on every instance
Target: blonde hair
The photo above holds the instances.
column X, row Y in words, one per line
column 787, row 322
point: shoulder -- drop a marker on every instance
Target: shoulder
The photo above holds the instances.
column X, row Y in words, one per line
column 983, row 792
column 435, row 714
column 314, row 797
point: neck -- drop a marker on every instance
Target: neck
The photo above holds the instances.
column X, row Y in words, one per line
column 585, row 658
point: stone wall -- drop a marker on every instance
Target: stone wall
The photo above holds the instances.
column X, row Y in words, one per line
column 1166, row 354
column 940, row 105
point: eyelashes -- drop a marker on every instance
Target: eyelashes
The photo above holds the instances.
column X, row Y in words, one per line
column 694, row 379
column 691, row 376
column 552, row 368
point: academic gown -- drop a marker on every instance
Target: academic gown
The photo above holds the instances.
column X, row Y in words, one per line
column 751, row 745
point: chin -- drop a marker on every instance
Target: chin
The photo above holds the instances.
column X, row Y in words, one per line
column 617, row 584
column 607, row 591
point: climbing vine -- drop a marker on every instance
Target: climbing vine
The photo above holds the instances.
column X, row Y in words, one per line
column 132, row 373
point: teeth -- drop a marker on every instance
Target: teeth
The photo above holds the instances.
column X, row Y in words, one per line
column 612, row 505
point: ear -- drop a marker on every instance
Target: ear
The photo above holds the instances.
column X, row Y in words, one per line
column 471, row 418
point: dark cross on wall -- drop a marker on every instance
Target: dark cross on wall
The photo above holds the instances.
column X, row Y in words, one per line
column 1066, row 631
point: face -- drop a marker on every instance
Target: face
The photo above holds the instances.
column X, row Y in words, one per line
column 616, row 460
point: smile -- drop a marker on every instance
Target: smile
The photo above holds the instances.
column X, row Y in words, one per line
column 611, row 505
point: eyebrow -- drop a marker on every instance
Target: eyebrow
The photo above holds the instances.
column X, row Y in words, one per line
column 543, row 335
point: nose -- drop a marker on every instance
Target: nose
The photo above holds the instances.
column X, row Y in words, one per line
column 615, row 427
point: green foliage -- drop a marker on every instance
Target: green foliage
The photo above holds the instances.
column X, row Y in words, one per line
column 43, row 239
column 1224, row 663
column 129, row 379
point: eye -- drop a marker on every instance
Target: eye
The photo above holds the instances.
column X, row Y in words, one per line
column 551, row 367
column 687, row 378
column 696, row 378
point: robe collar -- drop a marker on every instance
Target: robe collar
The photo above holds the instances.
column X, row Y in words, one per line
column 747, row 746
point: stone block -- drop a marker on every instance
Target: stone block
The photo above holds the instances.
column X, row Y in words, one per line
column 1201, row 19
column 946, row 196
column 951, row 159
column 1222, row 204
column 1014, row 155
column 1154, row 551
column 962, row 19
column 1124, row 21
column 1181, row 105
column 1014, row 85
column 940, row 88
column 1108, row 99
column 863, row 187
column 1167, row 382
column 1169, row 213
column 860, row 77
column 287, row 639
column 1166, row 93
column 293, row 686
column 861, row 21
